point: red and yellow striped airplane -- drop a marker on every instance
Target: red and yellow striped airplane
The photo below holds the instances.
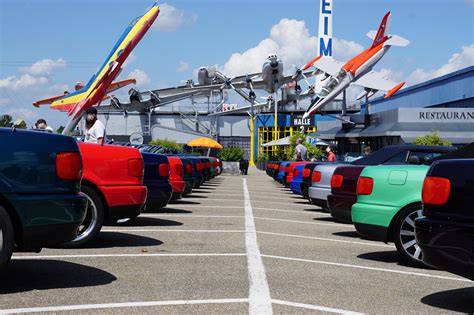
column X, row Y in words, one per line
column 102, row 82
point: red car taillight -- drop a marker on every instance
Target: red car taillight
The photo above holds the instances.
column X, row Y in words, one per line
column 296, row 173
column 135, row 167
column 199, row 167
column 336, row 181
column 435, row 190
column 69, row 166
column 178, row 169
column 164, row 170
column 287, row 169
column 316, row 177
column 306, row 172
column 365, row 185
column 208, row 164
column 281, row 167
column 189, row 169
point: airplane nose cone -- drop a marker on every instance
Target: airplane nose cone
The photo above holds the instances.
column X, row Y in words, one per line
column 274, row 64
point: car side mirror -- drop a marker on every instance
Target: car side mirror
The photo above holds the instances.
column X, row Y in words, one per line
column 414, row 160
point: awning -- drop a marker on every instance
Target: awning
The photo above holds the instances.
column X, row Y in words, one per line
column 455, row 133
column 279, row 142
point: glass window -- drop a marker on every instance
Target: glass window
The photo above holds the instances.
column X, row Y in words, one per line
column 424, row 156
column 399, row 158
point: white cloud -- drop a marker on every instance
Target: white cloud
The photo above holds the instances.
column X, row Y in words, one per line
column 130, row 59
column 457, row 61
column 44, row 66
column 23, row 113
column 4, row 101
column 171, row 18
column 141, row 77
column 291, row 41
column 183, row 66
column 25, row 81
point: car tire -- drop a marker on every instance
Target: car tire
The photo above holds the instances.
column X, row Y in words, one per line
column 93, row 221
column 6, row 239
column 404, row 235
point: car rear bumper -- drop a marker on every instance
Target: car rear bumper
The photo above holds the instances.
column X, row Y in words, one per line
column 188, row 186
column 124, row 201
column 158, row 196
column 447, row 245
column 178, row 186
column 319, row 192
column 295, row 187
column 373, row 221
column 48, row 219
column 340, row 206
column 304, row 187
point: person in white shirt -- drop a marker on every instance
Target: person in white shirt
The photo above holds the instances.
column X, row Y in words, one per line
column 95, row 129
column 42, row 124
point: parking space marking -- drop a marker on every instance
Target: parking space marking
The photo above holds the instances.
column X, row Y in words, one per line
column 174, row 230
column 118, row 305
column 292, row 211
column 128, row 255
column 189, row 215
column 303, row 222
column 195, row 206
column 259, row 292
column 368, row 268
column 315, row 307
column 325, row 239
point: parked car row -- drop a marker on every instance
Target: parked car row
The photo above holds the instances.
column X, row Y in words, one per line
column 418, row 197
column 56, row 191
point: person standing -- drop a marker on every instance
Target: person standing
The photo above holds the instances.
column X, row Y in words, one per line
column 331, row 157
column 95, row 129
column 301, row 153
column 42, row 124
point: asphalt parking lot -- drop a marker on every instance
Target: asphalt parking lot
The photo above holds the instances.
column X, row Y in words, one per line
column 238, row 244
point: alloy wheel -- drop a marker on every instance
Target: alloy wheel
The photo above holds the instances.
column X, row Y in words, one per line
column 407, row 235
column 90, row 221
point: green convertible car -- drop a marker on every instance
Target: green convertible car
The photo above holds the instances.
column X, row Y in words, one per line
column 388, row 202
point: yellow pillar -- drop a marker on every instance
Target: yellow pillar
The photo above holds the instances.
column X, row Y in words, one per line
column 252, row 141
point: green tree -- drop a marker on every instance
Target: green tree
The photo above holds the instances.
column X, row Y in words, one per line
column 60, row 129
column 165, row 143
column 432, row 139
column 6, row 121
column 231, row 154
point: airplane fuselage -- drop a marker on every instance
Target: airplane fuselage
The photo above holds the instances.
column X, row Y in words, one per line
column 272, row 74
column 350, row 72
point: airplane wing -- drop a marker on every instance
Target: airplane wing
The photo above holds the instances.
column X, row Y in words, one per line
column 375, row 81
column 297, row 77
column 328, row 65
column 240, row 109
column 100, row 84
column 120, row 84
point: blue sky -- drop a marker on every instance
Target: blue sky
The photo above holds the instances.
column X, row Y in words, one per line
column 74, row 37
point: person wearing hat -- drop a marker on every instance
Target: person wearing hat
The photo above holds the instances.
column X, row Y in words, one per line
column 95, row 129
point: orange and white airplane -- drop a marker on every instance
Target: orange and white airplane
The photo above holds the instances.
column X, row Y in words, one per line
column 357, row 71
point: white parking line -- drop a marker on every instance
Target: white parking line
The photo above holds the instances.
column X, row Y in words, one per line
column 259, row 293
column 303, row 222
column 127, row 255
column 118, row 305
column 292, row 211
column 368, row 268
column 315, row 307
column 172, row 215
column 326, row 239
column 173, row 230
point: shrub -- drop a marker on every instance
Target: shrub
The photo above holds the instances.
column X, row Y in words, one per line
column 165, row 143
column 432, row 139
column 231, row 154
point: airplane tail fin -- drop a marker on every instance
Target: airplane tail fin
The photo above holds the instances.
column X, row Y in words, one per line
column 382, row 34
column 382, row 31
